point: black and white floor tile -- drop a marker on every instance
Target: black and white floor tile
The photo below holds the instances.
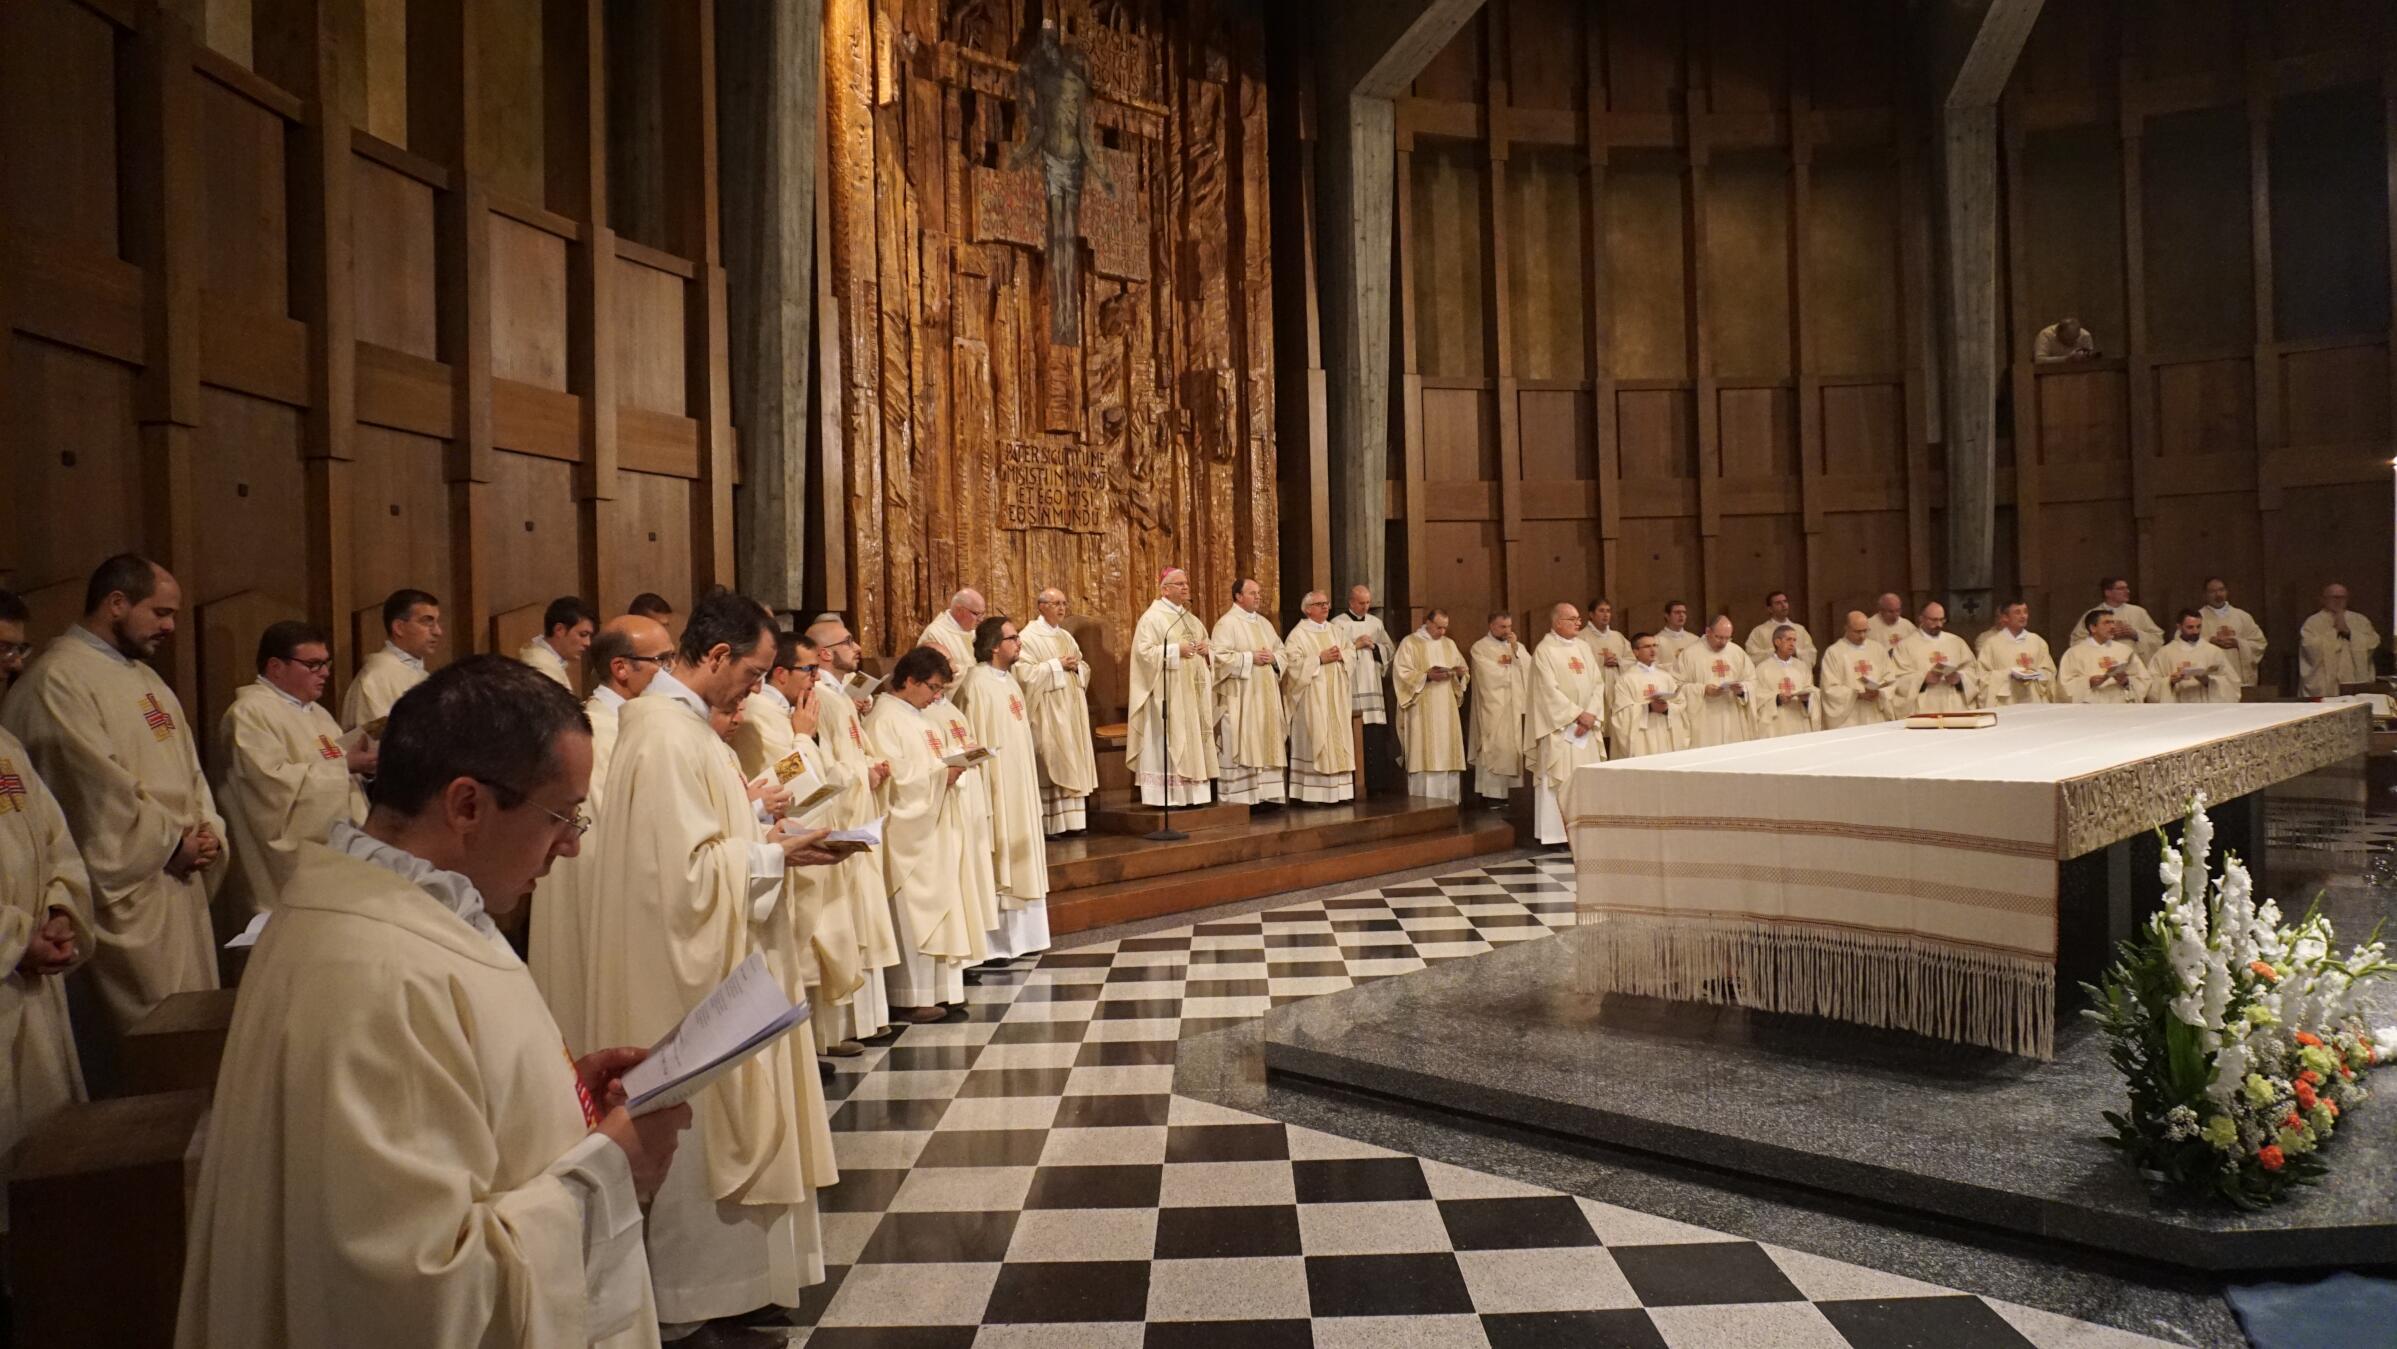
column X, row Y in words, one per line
column 1028, row 1178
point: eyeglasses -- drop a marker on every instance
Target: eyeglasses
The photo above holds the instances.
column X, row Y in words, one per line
column 664, row 662
column 15, row 650
column 578, row 822
column 318, row 666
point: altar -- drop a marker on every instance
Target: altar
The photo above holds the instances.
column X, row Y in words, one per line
column 1920, row 880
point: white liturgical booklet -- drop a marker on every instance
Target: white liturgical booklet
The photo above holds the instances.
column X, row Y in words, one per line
column 967, row 758
column 733, row 1023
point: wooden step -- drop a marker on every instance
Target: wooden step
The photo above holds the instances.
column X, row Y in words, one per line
column 1122, row 813
column 1100, row 859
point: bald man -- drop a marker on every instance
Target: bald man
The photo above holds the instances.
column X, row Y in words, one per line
column 951, row 632
column 1942, row 674
column 1056, row 683
column 2335, row 646
column 1716, row 675
column 1860, row 677
column 1565, row 718
column 1888, row 628
column 1170, row 748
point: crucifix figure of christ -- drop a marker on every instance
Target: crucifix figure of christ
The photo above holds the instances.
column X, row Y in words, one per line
column 1053, row 85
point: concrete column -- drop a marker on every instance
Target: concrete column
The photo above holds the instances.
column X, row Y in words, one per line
column 1969, row 354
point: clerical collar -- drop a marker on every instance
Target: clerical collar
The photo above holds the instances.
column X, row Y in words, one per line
column 392, row 650
column 1357, row 617
column 102, row 643
column 1850, row 641
column 1649, row 666
column 1678, row 632
column 776, row 694
column 608, row 697
column 266, row 683
column 1601, row 629
column 2222, row 608
column 1313, row 625
column 667, row 686
column 453, row 891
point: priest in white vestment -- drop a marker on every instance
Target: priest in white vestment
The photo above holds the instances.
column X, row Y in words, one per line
column 1787, row 702
column 566, row 629
column 411, row 634
column 840, row 731
column 1316, row 694
column 2232, row 629
column 623, row 657
column 1941, row 672
column 110, row 738
column 45, row 931
column 1674, row 637
column 2016, row 666
column 1565, row 718
column 1859, row 678
column 1501, row 690
column 282, row 776
column 688, row 886
column 1430, row 678
column 402, row 1152
column 1251, row 736
column 1888, row 628
column 1605, row 641
column 1170, row 747
column 1056, row 682
column 951, row 632
column 1720, row 699
column 2190, row 669
column 939, row 922
column 2104, row 669
column 2335, row 646
column 1776, row 617
column 1019, row 850
column 1360, row 630
column 1649, row 704
column 2131, row 622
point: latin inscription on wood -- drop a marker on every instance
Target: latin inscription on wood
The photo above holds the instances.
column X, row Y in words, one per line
column 1053, row 484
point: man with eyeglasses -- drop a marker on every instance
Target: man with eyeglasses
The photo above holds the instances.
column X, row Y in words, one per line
column 951, row 632
column 865, row 1016
column 412, row 633
column 283, row 777
column 925, row 844
column 14, row 649
column 686, row 885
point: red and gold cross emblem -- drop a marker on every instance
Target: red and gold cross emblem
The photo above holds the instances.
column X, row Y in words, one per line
column 1575, row 662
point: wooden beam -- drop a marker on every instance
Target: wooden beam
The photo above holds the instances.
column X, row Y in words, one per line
column 591, row 271
column 1988, row 62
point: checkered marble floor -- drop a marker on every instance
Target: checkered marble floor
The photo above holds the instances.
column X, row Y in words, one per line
column 1029, row 1178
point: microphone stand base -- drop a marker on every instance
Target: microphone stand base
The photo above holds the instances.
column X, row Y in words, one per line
column 1166, row 836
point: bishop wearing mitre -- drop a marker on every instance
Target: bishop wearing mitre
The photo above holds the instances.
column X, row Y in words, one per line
column 1941, row 672
column 2334, row 648
column 939, row 923
column 860, row 773
column 951, row 632
column 1251, row 736
column 687, row 888
column 1500, row 686
column 1170, row 750
column 403, row 1152
column 45, row 931
column 994, row 709
column 2105, row 668
column 2016, row 667
column 1649, row 704
column 411, row 634
column 1317, row 695
column 1719, row 699
column 1056, row 683
column 2232, row 629
column 1860, row 678
column 1787, row 702
column 283, row 777
column 1565, row 720
column 111, row 739
column 1776, row 617
column 1430, row 678
column 623, row 657
column 2190, row 669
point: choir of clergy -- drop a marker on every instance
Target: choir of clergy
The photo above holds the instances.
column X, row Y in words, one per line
column 1888, row 627
column 1776, row 617
column 1649, row 707
column 2335, row 646
column 2103, row 667
column 1500, row 687
column 1717, row 674
column 2132, row 625
column 411, row 634
column 994, row 705
column 937, row 915
column 2233, row 629
column 1251, row 732
column 1169, row 746
column 1056, row 682
column 566, row 628
column 1787, row 702
column 1430, row 678
column 857, row 774
column 1318, row 699
column 282, row 774
column 2189, row 669
column 1564, row 717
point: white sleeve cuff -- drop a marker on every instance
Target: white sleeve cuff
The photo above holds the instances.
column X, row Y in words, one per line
column 1173, row 655
column 766, row 871
column 615, row 1267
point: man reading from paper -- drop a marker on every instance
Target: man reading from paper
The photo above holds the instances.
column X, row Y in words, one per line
column 622, row 659
column 1566, row 719
column 1019, row 853
column 2190, row 669
column 1720, row 700
column 840, row 731
column 1056, row 683
column 1500, row 686
column 951, row 631
column 2016, row 667
column 1251, row 737
column 45, row 931
column 566, row 629
column 282, row 775
column 1941, row 673
column 1316, row 692
column 404, row 1152
column 1604, row 639
column 1650, row 705
column 1860, row 677
column 1430, row 678
column 1787, row 701
column 1171, row 747
column 940, row 928
column 688, row 880
column 111, row 739
column 2333, row 648
column 1776, row 617
column 411, row 633
column 2103, row 669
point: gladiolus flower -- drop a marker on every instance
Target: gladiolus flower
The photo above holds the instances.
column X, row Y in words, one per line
column 2266, row 973
column 2271, row 1157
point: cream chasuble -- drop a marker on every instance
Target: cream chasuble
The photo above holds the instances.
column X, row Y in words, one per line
column 282, row 780
column 39, row 871
column 1250, row 733
column 1670, row 643
column 1187, row 767
column 1431, row 732
column 1610, row 641
column 1888, row 636
column 554, row 947
column 399, row 1156
column 2143, row 633
column 939, row 923
column 386, row 675
column 954, row 642
column 1058, row 702
column 841, row 733
column 977, row 873
column 1726, row 718
column 1019, row 850
column 539, row 654
column 1639, row 729
column 1566, row 681
column 108, row 736
column 1317, row 701
column 2016, row 669
column 2192, row 672
column 2092, row 658
column 1759, row 645
column 2325, row 660
column 1367, row 666
column 1501, row 675
column 1924, row 655
column 1795, row 678
column 1848, row 669
column 822, row 919
column 2240, row 626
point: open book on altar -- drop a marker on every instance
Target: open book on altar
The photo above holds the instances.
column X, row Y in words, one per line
column 732, row 1024
column 1951, row 721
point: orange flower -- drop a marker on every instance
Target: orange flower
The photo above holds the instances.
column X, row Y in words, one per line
column 2346, row 1072
column 2304, row 1037
column 2310, row 1077
column 2271, row 1157
column 2332, row 1107
column 2305, row 1095
column 2265, row 971
column 2293, row 1121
